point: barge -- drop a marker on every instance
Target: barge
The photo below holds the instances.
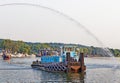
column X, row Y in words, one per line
column 67, row 62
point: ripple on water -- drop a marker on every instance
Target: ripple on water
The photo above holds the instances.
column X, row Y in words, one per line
column 98, row 71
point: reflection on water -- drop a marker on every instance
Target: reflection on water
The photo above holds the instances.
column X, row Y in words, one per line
column 76, row 77
column 99, row 70
column 58, row 77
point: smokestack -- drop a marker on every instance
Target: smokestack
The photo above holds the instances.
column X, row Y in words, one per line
column 81, row 60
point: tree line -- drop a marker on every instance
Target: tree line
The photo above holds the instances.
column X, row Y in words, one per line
column 33, row 48
column 21, row 47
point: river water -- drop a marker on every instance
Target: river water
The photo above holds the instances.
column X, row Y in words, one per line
column 99, row 70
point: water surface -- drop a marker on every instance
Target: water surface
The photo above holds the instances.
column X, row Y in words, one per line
column 99, row 70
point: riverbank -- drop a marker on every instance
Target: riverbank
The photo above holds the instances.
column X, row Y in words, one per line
column 19, row 55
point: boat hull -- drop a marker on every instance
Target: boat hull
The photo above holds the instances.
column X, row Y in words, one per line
column 57, row 67
column 6, row 57
column 53, row 64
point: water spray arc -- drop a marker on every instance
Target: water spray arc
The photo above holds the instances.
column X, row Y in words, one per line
column 60, row 13
column 66, row 16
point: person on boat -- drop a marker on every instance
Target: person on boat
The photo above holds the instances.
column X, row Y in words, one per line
column 45, row 53
column 37, row 61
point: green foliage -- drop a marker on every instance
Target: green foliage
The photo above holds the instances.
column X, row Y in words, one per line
column 15, row 46
column 25, row 47
column 84, row 50
column 22, row 47
column 116, row 52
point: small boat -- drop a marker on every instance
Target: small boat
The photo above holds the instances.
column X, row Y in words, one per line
column 68, row 61
column 6, row 56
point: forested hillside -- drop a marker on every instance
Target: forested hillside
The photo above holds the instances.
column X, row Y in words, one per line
column 29, row 48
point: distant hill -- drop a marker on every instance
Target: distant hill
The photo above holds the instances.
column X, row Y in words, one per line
column 29, row 47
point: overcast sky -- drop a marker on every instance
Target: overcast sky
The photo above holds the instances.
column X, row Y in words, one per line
column 101, row 17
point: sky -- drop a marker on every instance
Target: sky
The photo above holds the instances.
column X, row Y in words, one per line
column 95, row 21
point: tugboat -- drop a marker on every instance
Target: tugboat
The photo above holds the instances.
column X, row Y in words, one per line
column 67, row 62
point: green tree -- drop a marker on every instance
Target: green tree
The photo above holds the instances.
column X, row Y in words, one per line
column 117, row 52
column 7, row 44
